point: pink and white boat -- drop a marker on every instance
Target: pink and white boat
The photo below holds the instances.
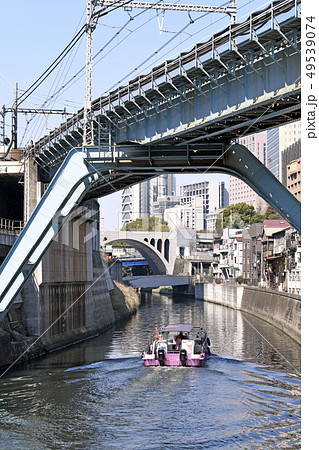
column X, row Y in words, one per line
column 178, row 345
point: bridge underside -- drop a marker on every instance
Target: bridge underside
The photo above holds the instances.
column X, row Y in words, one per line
column 154, row 282
column 155, row 262
column 133, row 163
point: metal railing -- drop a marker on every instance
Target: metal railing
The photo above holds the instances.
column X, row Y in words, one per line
column 13, row 225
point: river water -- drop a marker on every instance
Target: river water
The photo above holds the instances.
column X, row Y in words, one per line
column 99, row 395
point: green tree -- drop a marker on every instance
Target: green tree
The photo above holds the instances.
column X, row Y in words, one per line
column 237, row 216
column 149, row 224
column 257, row 218
column 241, row 214
column 271, row 214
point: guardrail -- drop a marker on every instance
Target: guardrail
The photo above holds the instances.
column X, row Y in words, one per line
column 13, row 225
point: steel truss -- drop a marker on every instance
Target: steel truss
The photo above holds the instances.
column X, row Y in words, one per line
column 209, row 66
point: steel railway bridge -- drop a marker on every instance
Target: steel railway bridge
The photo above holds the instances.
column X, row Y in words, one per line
column 182, row 117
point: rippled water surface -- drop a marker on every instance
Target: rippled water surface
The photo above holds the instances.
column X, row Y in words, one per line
column 98, row 394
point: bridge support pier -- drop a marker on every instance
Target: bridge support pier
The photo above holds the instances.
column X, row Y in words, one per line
column 31, row 197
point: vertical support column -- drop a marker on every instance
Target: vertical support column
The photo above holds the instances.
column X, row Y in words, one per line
column 3, row 126
column 30, row 188
column 233, row 16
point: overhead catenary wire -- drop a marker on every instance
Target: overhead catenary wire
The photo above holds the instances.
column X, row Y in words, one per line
column 63, row 72
column 156, row 52
column 109, row 42
column 75, row 77
column 82, row 69
column 56, row 62
column 51, row 68
column 78, row 30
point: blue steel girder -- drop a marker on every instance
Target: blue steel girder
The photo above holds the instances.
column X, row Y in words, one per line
column 258, row 65
column 248, row 168
column 248, row 94
column 235, row 159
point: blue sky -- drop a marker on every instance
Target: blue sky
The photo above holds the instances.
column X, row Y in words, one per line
column 34, row 32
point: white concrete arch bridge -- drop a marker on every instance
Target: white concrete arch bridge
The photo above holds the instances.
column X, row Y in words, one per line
column 182, row 117
column 160, row 249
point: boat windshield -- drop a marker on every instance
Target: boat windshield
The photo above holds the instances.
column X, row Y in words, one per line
column 176, row 328
column 194, row 333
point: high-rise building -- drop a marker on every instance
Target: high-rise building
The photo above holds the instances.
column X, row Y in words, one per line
column 166, row 184
column 213, row 193
column 294, row 178
column 239, row 191
column 278, row 139
column 272, row 162
column 138, row 200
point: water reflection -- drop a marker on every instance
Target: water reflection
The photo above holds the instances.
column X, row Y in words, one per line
column 98, row 394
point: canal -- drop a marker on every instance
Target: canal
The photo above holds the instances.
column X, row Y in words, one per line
column 98, row 395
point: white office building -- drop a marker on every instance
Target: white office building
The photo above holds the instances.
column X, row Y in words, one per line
column 138, row 200
column 189, row 215
column 214, row 196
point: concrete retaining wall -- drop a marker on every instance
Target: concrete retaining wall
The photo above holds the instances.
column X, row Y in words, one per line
column 70, row 297
column 278, row 308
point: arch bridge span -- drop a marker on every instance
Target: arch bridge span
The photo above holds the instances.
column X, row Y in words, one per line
column 160, row 249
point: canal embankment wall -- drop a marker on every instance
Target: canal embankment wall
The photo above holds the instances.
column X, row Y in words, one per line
column 69, row 297
column 281, row 309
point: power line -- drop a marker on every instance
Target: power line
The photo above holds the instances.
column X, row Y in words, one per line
column 50, row 69
column 70, row 46
column 82, row 69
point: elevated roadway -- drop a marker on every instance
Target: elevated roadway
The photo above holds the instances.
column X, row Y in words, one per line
column 244, row 79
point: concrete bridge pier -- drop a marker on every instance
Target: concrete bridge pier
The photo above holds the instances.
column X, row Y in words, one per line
column 32, row 188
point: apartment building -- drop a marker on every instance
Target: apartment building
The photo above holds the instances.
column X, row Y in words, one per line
column 239, row 191
column 294, row 178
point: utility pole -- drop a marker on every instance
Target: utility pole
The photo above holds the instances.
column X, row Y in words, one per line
column 15, row 118
column 87, row 125
column 3, row 125
column 15, row 110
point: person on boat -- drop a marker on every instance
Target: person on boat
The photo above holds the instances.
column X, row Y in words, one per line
column 180, row 337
